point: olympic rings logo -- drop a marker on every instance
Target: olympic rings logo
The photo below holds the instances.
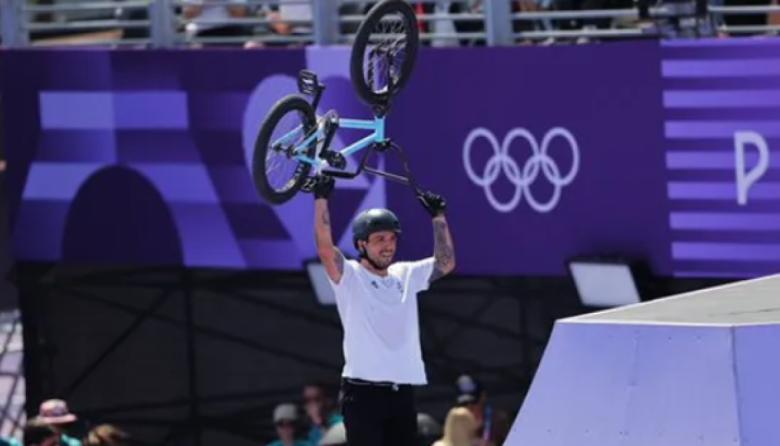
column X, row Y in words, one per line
column 540, row 161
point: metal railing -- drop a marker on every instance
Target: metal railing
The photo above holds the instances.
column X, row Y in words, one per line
column 253, row 23
column 721, row 12
column 248, row 23
column 100, row 22
column 665, row 21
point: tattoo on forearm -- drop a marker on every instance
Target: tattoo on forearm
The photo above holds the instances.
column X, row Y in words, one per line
column 443, row 251
column 339, row 262
column 322, row 227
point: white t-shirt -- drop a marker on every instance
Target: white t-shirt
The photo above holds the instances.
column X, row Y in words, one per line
column 380, row 321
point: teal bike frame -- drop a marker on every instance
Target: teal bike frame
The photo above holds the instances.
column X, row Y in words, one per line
column 377, row 126
column 327, row 125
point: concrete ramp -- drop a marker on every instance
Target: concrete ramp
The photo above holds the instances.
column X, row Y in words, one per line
column 701, row 368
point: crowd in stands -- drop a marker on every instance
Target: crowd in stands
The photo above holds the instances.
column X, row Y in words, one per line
column 316, row 421
column 291, row 17
column 289, row 22
column 472, row 420
column 54, row 426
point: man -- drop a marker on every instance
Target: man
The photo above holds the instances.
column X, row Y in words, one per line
column 377, row 303
column 286, row 423
column 55, row 413
column 320, row 409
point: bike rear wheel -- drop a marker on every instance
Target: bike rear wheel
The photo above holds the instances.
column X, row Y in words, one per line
column 384, row 51
column 278, row 175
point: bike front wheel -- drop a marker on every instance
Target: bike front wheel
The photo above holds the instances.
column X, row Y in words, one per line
column 277, row 168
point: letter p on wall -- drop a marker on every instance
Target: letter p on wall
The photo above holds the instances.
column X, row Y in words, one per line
column 746, row 179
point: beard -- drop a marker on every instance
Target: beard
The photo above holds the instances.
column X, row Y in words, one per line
column 381, row 262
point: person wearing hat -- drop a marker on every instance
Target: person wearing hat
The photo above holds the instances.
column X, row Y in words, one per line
column 492, row 425
column 376, row 300
column 56, row 414
column 286, row 422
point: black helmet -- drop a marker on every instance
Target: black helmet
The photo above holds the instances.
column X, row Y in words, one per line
column 371, row 221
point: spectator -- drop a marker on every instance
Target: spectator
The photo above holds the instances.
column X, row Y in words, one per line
column 215, row 16
column 531, row 6
column 106, row 435
column 291, row 18
column 492, row 425
column 38, row 433
column 335, row 436
column 459, row 429
column 55, row 413
column 320, row 410
column 471, row 25
column 286, row 422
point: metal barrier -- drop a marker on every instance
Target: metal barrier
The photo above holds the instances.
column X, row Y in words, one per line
column 87, row 23
column 668, row 21
column 172, row 23
column 721, row 12
column 442, row 22
column 247, row 22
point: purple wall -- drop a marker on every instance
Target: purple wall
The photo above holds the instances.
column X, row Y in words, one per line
column 141, row 157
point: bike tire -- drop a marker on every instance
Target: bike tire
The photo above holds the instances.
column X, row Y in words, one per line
column 260, row 156
column 370, row 27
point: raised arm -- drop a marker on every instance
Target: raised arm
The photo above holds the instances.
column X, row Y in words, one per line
column 443, row 249
column 330, row 256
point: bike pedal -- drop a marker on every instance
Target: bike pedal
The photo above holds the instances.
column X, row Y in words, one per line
column 308, row 83
column 308, row 184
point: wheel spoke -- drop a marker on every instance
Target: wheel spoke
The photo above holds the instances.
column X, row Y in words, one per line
column 385, row 52
column 280, row 165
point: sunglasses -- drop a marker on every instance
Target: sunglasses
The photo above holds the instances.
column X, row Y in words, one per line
column 285, row 423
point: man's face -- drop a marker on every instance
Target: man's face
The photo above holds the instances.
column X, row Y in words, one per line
column 380, row 247
column 285, row 429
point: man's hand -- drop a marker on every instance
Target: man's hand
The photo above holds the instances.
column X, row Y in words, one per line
column 433, row 203
column 323, row 186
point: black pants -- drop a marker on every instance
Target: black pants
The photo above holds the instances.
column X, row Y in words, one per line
column 378, row 415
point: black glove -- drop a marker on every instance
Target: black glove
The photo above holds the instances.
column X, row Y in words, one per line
column 323, row 186
column 433, row 203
